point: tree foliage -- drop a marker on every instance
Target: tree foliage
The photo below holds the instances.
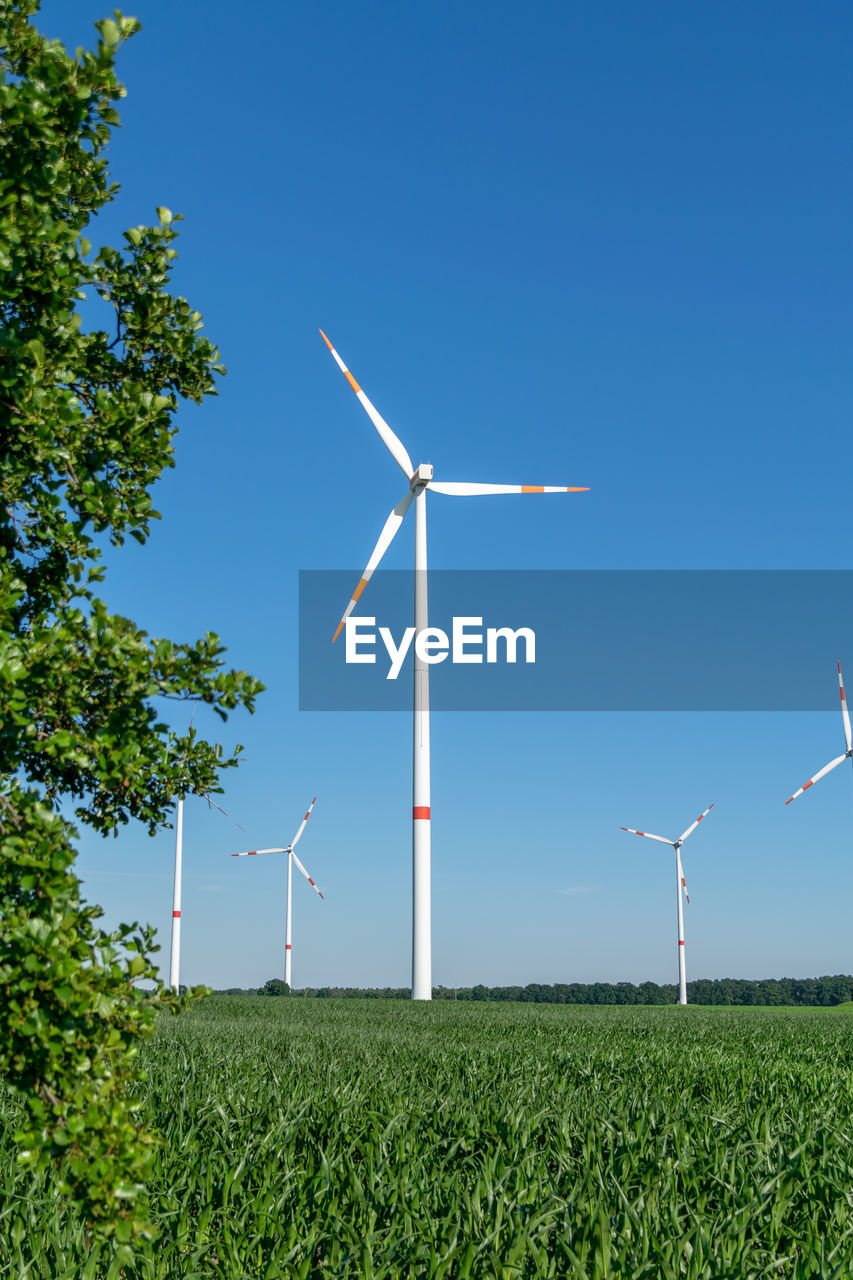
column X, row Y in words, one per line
column 802, row 992
column 86, row 428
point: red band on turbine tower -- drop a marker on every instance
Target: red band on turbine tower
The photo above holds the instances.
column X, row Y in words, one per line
column 421, row 811
column 176, row 915
column 288, row 947
column 681, row 942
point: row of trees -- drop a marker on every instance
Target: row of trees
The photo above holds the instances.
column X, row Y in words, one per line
column 716, row 991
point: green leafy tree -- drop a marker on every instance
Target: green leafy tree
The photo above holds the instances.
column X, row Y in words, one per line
column 275, row 987
column 86, row 428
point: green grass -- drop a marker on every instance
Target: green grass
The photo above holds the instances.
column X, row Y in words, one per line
column 343, row 1138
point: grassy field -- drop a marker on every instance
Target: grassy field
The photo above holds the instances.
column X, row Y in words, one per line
column 384, row 1139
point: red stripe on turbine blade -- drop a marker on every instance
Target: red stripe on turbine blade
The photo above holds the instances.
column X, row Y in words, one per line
column 421, row 811
column 681, row 942
column 807, row 785
column 288, row 947
column 176, row 915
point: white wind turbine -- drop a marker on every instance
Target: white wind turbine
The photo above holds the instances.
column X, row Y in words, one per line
column 680, row 884
column 291, row 858
column 848, row 754
column 175, row 949
column 419, row 480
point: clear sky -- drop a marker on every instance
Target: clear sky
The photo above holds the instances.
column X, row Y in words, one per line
column 557, row 244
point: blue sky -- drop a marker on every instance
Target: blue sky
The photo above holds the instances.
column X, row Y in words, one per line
column 583, row 245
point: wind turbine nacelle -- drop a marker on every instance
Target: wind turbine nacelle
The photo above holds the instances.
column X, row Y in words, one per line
column 423, row 474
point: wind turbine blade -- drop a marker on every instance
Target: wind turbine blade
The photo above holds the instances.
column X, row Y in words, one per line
column 681, row 874
column 386, row 537
column 303, row 822
column 212, row 803
column 462, row 489
column 826, row 769
column 647, row 834
column 695, row 824
column 394, row 446
column 251, row 853
column 845, row 715
column 306, row 875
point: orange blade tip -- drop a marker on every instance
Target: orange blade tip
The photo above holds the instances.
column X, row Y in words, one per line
column 326, row 340
column 338, row 632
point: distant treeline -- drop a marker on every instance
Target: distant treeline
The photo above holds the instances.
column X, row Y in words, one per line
column 722, row 991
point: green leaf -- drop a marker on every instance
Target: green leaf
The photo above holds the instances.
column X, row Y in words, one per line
column 109, row 32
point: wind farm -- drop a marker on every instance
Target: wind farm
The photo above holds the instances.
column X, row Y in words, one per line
column 607, row 246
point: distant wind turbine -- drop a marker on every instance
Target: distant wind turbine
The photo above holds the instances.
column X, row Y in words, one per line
column 419, row 480
column 175, row 949
column 848, row 754
column 291, row 858
column 680, row 884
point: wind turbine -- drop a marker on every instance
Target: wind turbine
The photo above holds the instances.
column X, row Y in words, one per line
column 419, row 480
column 680, row 884
column 175, row 949
column 848, row 754
column 291, row 858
